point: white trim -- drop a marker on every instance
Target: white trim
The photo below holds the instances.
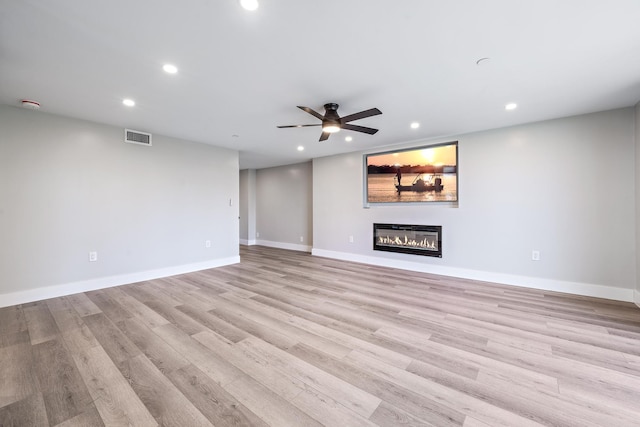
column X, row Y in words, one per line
column 283, row 245
column 586, row 289
column 246, row 242
column 636, row 297
column 47, row 292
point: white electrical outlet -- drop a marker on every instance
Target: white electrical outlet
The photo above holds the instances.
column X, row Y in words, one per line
column 535, row 255
column 93, row 256
column 257, row 234
column 350, row 239
column 207, row 243
column 301, row 239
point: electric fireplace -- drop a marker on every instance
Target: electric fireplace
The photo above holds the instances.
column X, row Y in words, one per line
column 408, row 239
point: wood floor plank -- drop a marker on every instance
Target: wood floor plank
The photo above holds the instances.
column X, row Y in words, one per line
column 253, row 328
column 257, row 368
column 29, row 411
column 472, row 422
column 117, row 345
column 83, row 305
column 135, row 307
column 17, row 375
column 65, row 316
column 165, row 402
column 220, row 370
column 327, row 410
column 40, row 323
column 176, row 290
column 161, row 354
column 176, row 317
column 89, row 418
column 14, row 338
column 352, row 397
column 419, row 347
column 215, row 323
column 633, row 360
column 162, row 297
column 64, row 392
column 509, row 335
column 12, row 320
column 618, row 397
column 270, row 407
column 387, row 415
column 112, row 309
column 141, row 293
column 604, row 358
column 112, row 394
column 215, row 403
column 13, row 326
column 79, row 339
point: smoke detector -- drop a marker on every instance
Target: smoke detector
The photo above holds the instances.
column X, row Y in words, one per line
column 32, row 105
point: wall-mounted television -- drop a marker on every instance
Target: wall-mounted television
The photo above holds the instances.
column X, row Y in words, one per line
column 423, row 174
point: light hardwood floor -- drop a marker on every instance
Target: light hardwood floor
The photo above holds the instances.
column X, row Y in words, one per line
column 287, row 339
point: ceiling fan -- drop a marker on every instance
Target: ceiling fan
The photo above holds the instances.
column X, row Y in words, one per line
column 332, row 122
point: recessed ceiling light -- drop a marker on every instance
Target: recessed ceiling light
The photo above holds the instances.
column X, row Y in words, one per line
column 300, row 148
column 348, row 139
column 129, row 102
column 415, row 125
column 511, row 106
column 249, row 4
column 169, row 68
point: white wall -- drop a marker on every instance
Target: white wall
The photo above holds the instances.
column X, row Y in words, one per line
column 248, row 207
column 284, row 206
column 637, row 213
column 68, row 187
column 564, row 187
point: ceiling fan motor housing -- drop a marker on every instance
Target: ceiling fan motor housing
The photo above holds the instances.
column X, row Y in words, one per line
column 331, row 114
column 331, row 107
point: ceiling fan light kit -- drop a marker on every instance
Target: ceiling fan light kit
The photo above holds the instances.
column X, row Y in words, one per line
column 332, row 122
column 331, row 127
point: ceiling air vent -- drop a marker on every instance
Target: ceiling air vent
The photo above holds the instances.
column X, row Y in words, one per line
column 137, row 137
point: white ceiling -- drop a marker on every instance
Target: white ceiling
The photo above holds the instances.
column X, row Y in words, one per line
column 243, row 73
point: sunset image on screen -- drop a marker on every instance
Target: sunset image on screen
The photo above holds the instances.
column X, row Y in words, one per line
column 422, row 174
column 441, row 155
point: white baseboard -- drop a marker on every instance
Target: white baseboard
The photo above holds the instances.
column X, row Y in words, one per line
column 636, row 297
column 246, row 242
column 585, row 289
column 54, row 291
column 282, row 245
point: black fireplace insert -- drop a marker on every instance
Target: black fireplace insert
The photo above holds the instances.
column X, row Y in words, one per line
column 408, row 239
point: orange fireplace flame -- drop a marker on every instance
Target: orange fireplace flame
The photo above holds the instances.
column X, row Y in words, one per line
column 397, row 241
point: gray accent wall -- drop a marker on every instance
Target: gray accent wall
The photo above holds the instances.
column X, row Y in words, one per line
column 247, row 206
column 68, row 187
column 563, row 187
column 284, row 206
